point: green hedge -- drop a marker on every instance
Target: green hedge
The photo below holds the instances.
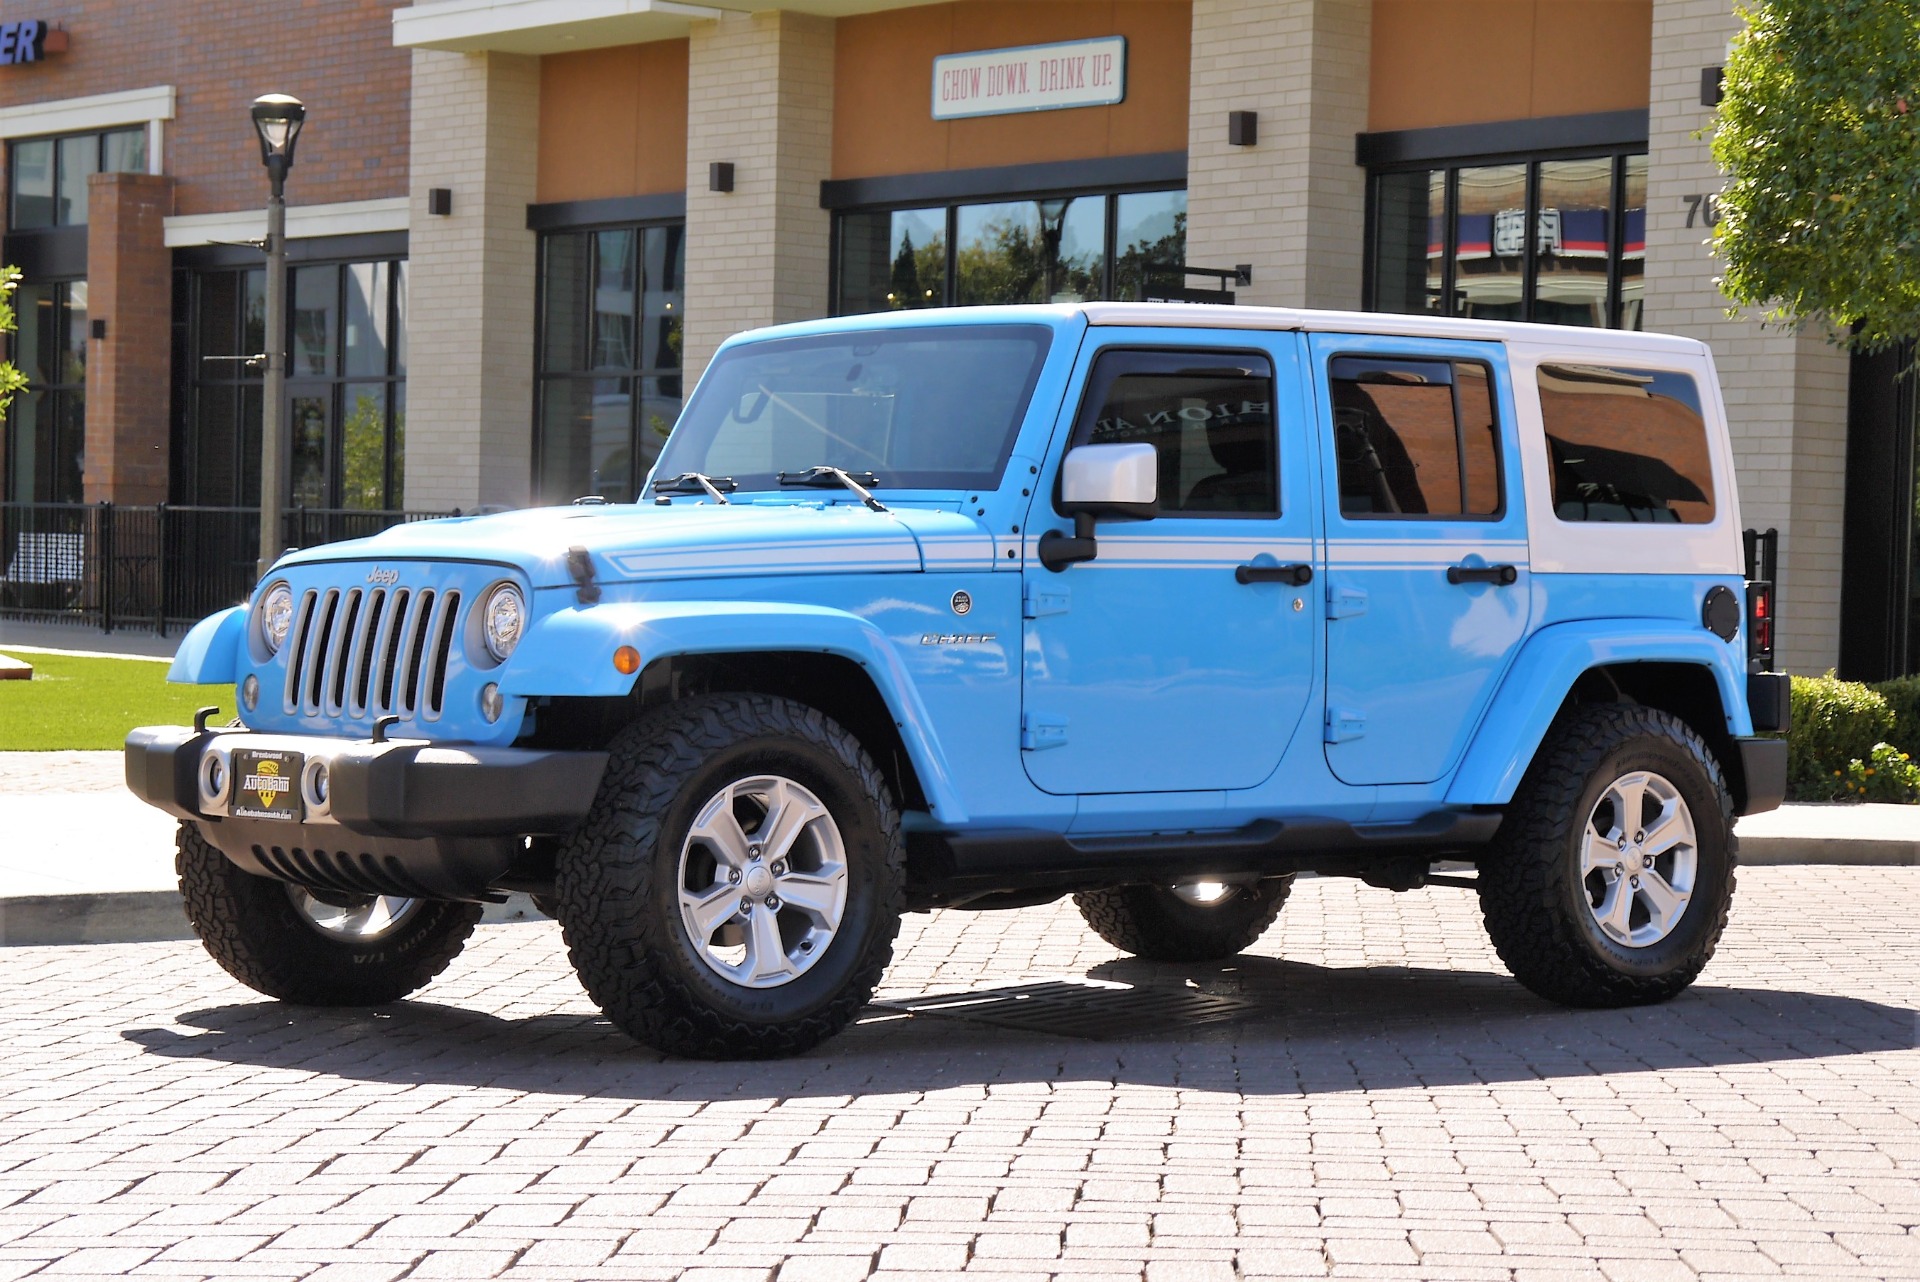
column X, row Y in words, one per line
column 1847, row 738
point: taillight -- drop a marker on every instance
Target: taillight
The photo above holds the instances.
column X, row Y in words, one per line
column 1760, row 626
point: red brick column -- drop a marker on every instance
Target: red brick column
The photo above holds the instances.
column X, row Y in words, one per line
column 129, row 286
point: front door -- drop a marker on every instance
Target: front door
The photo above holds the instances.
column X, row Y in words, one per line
column 1427, row 573
column 1163, row 664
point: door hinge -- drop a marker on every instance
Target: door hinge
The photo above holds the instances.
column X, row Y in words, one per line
column 1344, row 603
column 1038, row 733
column 1344, row 724
column 1040, row 601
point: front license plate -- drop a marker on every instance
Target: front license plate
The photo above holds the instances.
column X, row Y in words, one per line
column 266, row 785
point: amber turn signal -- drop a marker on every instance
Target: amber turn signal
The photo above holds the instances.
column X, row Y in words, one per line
column 626, row 660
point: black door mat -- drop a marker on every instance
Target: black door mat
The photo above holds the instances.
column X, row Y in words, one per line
column 1082, row 1008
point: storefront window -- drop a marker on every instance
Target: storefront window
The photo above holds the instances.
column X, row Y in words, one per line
column 46, row 424
column 346, row 386
column 1065, row 249
column 49, row 175
column 611, row 303
column 1555, row 241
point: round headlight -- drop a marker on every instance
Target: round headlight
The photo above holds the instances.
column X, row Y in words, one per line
column 502, row 621
column 276, row 616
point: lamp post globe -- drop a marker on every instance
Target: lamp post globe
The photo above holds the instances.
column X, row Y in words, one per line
column 277, row 119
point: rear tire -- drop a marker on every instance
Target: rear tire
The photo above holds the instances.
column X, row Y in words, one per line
column 315, row 948
column 1610, row 879
column 709, row 804
column 1159, row 923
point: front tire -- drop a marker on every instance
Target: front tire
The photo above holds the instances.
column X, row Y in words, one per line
column 1176, row 924
column 1610, row 879
column 315, row 948
column 736, row 888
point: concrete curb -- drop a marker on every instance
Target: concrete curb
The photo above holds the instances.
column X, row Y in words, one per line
column 1858, row 852
column 140, row 917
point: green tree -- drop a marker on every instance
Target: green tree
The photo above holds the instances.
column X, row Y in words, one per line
column 11, row 379
column 1819, row 134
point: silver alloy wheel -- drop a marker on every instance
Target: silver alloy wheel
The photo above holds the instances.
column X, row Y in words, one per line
column 360, row 919
column 1638, row 859
column 1203, row 894
column 762, row 881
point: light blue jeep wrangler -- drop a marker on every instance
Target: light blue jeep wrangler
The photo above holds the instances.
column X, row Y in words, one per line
column 1156, row 606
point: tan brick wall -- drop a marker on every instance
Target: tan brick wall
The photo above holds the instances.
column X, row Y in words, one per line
column 129, row 286
column 1786, row 394
column 761, row 95
column 470, row 306
column 337, row 56
column 1293, row 205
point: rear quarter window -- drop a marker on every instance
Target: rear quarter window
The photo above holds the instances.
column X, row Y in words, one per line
column 1626, row 444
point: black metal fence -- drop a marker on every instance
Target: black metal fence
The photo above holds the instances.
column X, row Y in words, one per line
column 151, row 568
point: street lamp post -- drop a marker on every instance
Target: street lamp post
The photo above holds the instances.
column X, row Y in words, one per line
column 277, row 118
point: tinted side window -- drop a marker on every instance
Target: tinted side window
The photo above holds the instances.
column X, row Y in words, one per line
column 1208, row 416
column 1626, row 445
column 1414, row 437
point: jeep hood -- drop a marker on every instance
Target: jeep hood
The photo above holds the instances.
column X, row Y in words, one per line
column 632, row 543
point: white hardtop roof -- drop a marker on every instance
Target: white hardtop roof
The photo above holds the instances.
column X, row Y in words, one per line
column 1217, row 316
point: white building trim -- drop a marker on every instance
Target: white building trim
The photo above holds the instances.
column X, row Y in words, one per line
column 347, row 218
column 542, row 26
column 150, row 107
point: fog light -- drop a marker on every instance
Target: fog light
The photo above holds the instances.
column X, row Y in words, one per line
column 492, row 702
column 213, row 777
column 250, row 692
column 319, row 783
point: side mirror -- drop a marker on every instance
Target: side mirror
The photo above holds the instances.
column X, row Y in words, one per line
column 1110, row 482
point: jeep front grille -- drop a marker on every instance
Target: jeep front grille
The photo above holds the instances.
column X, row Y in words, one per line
column 376, row 652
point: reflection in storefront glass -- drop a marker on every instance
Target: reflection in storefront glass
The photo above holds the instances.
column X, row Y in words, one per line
column 309, row 421
column 1491, row 247
column 363, row 446
column 367, row 318
column 315, row 299
column 1633, row 249
column 614, row 288
column 1410, row 236
column 1570, row 250
column 32, row 183
column 1150, row 236
column 1030, row 251
column 892, row 260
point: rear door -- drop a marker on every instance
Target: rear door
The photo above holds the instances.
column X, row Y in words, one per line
column 1427, row 568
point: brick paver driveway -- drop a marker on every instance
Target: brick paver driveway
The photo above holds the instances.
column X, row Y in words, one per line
column 1366, row 1095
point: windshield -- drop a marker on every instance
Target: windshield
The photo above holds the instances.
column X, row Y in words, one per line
column 931, row 408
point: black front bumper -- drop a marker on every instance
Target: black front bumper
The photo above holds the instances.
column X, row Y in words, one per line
column 403, row 817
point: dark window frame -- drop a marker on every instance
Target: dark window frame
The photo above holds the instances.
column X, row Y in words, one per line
column 663, row 213
column 1085, row 415
column 1499, row 452
column 1382, row 161
column 951, row 204
column 99, row 166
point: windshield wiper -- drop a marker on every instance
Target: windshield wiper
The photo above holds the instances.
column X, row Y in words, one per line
column 825, row 478
column 696, row 483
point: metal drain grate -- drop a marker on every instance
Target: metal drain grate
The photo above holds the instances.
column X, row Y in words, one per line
column 1082, row 1008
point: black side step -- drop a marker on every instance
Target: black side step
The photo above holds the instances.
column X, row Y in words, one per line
column 1019, row 858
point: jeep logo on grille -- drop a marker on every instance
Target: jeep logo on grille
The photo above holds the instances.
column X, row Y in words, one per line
column 383, row 578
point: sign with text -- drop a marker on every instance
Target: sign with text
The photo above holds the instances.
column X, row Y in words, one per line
column 28, row 41
column 996, row 82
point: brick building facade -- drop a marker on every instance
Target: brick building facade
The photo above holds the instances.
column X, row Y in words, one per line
column 519, row 231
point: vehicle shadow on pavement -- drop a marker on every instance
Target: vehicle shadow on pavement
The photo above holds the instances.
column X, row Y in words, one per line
column 1253, row 1024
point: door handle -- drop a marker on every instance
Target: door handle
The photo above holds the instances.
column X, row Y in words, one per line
column 1298, row 575
column 1498, row 575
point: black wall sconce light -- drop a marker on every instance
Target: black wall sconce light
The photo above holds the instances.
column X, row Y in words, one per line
column 440, row 201
column 1243, row 128
column 1713, row 86
column 98, row 327
column 720, row 176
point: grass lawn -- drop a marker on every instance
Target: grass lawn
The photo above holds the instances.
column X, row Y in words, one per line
column 80, row 701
